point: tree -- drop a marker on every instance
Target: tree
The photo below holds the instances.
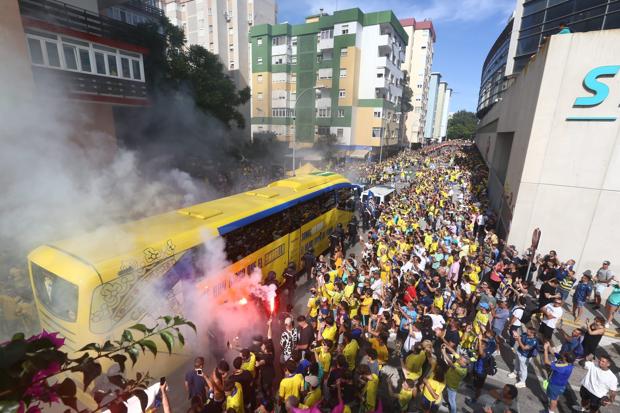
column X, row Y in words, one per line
column 173, row 68
column 31, row 369
column 462, row 125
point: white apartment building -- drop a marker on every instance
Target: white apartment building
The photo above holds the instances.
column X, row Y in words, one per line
column 417, row 64
column 222, row 27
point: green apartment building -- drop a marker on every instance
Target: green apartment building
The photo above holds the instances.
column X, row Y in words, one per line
column 335, row 74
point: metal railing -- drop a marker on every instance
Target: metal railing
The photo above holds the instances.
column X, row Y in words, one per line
column 145, row 7
column 65, row 15
column 66, row 82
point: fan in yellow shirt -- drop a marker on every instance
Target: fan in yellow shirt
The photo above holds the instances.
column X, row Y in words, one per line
column 234, row 396
column 370, row 388
column 323, row 355
column 350, row 350
column 292, row 384
column 414, row 363
column 249, row 361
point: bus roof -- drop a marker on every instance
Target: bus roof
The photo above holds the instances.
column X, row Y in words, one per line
column 108, row 248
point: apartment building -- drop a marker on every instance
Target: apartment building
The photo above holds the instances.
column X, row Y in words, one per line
column 417, row 65
column 335, row 74
column 68, row 55
column 221, row 27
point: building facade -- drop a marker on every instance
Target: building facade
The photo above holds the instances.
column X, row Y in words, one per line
column 334, row 75
column 73, row 56
column 433, row 94
column 533, row 21
column 445, row 115
column 552, row 148
column 417, row 66
column 439, row 109
column 222, row 27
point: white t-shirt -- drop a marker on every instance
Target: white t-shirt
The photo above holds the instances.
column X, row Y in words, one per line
column 599, row 382
column 556, row 313
column 438, row 320
column 518, row 313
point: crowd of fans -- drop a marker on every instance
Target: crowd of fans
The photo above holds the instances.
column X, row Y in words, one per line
column 434, row 296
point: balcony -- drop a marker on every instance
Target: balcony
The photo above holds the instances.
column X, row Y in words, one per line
column 56, row 13
column 145, row 6
column 84, row 86
column 385, row 45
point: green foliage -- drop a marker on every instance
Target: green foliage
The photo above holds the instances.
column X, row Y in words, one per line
column 31, row 369
column 172, row 67
column 462, row 125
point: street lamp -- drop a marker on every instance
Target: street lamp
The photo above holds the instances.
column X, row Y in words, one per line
column 294, row 142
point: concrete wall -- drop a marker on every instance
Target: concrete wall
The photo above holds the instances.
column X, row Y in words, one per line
column 562, row 176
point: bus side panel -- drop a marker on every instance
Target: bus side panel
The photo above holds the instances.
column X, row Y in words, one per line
column 293, row 248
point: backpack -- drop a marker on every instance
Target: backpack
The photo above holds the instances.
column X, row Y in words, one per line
column 525, row 317
column 490, row 366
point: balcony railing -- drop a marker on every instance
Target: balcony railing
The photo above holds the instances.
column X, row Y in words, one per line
column 67, row 16
column 145, row 7
column 66, row 83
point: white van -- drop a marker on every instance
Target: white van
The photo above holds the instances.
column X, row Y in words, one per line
column 381, row 193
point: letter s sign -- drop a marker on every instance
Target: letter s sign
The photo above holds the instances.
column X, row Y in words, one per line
column 592, row 85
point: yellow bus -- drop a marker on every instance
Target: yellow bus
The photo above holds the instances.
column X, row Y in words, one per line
column 86, row 287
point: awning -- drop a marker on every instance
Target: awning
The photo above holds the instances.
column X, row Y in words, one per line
column 359, row 154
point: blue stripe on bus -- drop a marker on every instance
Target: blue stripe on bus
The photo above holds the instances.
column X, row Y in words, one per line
column 225, row 229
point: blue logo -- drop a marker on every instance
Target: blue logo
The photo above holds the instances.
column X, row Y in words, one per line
column 599, row 91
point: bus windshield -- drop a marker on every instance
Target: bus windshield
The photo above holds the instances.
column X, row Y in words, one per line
column 58, row 296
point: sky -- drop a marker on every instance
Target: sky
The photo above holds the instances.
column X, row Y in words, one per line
column 466, row 30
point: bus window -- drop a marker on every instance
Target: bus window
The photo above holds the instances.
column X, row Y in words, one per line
column 58, row 296
column 345, row 199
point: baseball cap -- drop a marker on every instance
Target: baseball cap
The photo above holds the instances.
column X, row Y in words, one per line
column 588, row 273
column 485, row 306
column 606, row 262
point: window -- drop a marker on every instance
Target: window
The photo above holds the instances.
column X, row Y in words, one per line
column 70, row 57
column 344, row 52
column 379, row 75
column 294, row 41
column 294, row 59
column 58, row 296
column 278, row 59
column 76, row 56
column 345, row 199
column 342, row 93
column 293, row 77
column 252, row 237
column 100, row 63
column 135, row 65
column 259, row 42
column 377, row 113
column 112, row 65
column 343, row 72
column 125, row 71
column 345, row 29
column 327, row 34
column 85, row 60
column 259, row 96
column 232, row 65
column 323, row 131
column 36, row 52
column 324, row 113
column 341, row 113
column 278, row 40
column 340, row 132
column 259, row 60
column 259, row 79
column 53, row 58
column 377, row 132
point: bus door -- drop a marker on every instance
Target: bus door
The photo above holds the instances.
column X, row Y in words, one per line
column 293, row 247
